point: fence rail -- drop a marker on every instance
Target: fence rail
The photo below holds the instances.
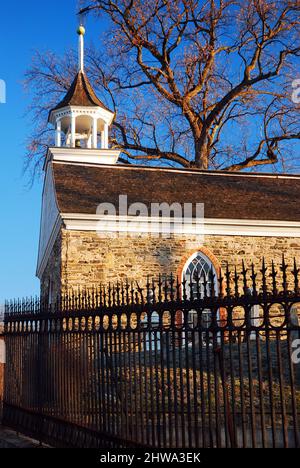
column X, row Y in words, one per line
column 212, row 363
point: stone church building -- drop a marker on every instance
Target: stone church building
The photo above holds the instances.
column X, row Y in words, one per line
column 246, row 216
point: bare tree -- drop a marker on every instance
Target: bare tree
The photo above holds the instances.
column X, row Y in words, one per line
column 203, row 84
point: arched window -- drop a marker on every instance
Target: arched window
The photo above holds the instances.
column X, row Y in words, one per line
column 199, row 268
column 198, row 272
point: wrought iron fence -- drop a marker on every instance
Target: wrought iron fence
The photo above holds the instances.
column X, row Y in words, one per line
column 168, row 365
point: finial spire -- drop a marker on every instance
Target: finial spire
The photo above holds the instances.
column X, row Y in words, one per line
column 81, row 33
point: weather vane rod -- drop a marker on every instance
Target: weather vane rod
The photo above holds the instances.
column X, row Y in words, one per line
column 81, row 33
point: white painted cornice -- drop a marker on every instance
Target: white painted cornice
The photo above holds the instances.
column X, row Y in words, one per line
column 222, row 227
column 85, row 156
column 93, row 111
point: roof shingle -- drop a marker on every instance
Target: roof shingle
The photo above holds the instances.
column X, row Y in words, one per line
column 81, row 93
column 81, row 188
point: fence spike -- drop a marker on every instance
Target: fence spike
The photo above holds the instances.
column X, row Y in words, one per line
column 133, row 294
column 284, row 268
column 245, row 282
column 166, row 288
column 184, row 295
column 80, row 298
column 172, row 282
column 83, row 298
column 191, row 296
column 109, row 295
column 228, row 280
column 264, row 270
column 178, row 289
column 253, row 279
column 148, row 286
column 198, row 288
column 140, row 292
column 127, row 287
column 159, row 288
column 99, row 295
column 273, row 275
column 92, row 297
column 67, row 301
column 212, row 282
column 295, row 273
column 153, row 291
column 114, row 303
column 122, row 294
column 221, row 284
column 104, row 296
column 205, row 286
column 236, row 283
column 89, row 298
column 71, row 298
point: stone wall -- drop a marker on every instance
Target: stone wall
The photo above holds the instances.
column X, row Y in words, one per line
column 53, row 272
column 87, row 260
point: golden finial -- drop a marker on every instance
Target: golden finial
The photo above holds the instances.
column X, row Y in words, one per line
column 81, row 30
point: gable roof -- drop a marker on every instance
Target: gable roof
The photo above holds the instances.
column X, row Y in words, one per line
column 81, row 93
column 81, row 188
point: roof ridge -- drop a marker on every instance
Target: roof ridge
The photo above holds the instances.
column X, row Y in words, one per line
column 182, row 171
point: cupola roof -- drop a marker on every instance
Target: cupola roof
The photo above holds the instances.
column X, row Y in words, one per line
column 81, row 93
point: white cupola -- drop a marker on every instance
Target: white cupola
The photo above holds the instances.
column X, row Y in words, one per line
column 81, row 120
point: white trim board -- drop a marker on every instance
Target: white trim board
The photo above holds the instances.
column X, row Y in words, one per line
column 82, row 156
column 225, row 227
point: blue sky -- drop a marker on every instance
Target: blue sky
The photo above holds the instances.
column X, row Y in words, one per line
column 26, row 26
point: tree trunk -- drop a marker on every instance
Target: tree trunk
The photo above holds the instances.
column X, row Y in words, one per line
column 201, row 155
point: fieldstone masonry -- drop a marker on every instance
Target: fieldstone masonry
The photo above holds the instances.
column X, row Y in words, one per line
column 85, row 259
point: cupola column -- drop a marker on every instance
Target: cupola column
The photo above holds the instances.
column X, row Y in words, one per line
column 104, row 137
column 58, row 134
column 89, row 141
column 73, row 131
column 102, row 140
column 95, row 133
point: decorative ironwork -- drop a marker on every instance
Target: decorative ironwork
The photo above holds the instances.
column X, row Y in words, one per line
column 122, row 365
